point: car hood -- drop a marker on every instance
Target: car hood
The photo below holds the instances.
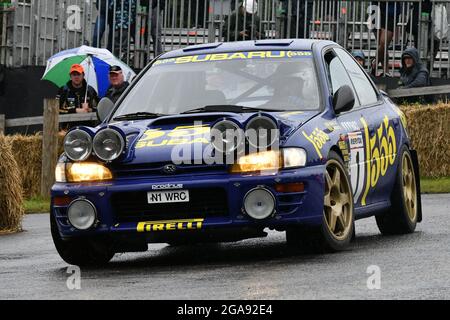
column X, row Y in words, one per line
column 159, row 140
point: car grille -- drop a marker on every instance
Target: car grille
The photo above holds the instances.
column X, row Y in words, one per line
column 203, row 203
column 156, row 169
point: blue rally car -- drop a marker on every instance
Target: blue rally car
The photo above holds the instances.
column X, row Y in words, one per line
column 220, row 141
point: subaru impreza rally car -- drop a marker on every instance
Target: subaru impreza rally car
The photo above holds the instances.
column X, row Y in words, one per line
column 220, row 141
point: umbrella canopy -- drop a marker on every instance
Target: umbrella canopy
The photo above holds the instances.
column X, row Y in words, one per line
column 95, row 61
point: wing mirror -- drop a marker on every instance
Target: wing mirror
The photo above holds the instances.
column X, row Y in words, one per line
column 104, row 108
column 343, row 99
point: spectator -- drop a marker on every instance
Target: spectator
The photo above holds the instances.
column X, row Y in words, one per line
column 2, row 80
column 413, row 73
column 245, row 21
column 389, row 14
column 301, row 15
column 197, row 14
column 100, row 23
column 360, row 57
column 156, row 25
column 77, row 96
column 118, row 84
column 414, row 22
column 122, row 26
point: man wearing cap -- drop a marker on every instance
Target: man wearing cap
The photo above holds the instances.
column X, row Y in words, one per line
column 118, row 84
column 77, row 96
column 243, row 24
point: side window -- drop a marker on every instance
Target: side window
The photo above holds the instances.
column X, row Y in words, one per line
column 366, row 93
column 337, row 74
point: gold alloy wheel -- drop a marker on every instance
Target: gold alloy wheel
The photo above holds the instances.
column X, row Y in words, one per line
column 338, row 201
column 409, row 187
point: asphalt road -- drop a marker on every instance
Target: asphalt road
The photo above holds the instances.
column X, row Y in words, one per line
column 415, row 266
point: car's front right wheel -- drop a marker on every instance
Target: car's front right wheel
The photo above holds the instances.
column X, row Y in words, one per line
column 80, row 252
column 337, row 228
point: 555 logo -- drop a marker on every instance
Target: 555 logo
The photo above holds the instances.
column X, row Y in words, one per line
column 370, row 157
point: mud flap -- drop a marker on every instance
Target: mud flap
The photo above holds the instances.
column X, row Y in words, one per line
column 415, row 161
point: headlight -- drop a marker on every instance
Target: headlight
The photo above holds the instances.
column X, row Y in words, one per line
column 226, row 136
column 261, row 161
column 261, row 132
column 78, row 145
column 270, row 160
column 87, row 171
column 108, row 144
column 294, row 157
column 81, row 214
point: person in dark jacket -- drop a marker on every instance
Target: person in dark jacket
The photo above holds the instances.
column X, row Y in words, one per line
column 2, row 80
column 414, row 74
column 246, row 21
column 197, row 13
column 122, row 24
column 301, row 15
column 118, row 85
column 77, row 96
column 100, row 24
column 156, row 24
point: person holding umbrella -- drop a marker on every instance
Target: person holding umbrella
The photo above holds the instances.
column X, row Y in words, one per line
column 76, row 96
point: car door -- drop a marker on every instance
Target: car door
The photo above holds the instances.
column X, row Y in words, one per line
column 379, row 146
column 351, row 128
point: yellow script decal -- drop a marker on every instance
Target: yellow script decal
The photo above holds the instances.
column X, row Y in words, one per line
column 317, row 138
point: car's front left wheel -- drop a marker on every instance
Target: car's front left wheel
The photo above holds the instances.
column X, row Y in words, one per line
column 402, row 217
column 337, row 228
column 80, row 252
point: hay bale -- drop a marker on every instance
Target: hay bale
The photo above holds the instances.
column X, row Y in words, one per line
column 11, row 192
column 429, row 129
column 27, row 151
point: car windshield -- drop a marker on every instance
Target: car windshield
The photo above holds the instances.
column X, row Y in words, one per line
column 273, row 80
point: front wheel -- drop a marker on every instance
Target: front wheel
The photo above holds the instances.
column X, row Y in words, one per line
column 80, row 252
column 337, row 228
column 401, row 218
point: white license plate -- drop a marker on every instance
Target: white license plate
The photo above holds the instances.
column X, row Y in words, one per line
column 168, row 196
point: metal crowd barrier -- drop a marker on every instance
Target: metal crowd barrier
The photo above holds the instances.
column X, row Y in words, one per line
column 33, row 30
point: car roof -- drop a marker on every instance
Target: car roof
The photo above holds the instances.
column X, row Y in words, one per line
column 253, row 45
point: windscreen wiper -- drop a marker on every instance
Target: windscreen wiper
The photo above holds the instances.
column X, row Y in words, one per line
column 228, row 108
column 139, row 115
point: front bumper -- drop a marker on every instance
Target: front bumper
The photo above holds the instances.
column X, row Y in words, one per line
column 291, row 208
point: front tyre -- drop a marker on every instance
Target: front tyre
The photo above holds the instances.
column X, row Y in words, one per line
column 80, row 252
column 337, row 228
column 401, row 218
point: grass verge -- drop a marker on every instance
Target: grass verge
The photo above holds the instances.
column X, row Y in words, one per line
column 435, row 185
column 37, row 205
